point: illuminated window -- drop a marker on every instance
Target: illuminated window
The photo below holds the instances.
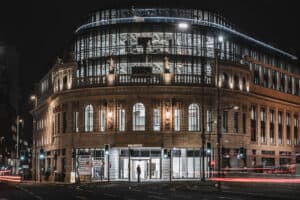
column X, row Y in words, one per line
column 177, row 119
column 194, row 118
column 138, row 117
column 156, row 119
column 102, row 120
column 88, row 118
column 121, row 119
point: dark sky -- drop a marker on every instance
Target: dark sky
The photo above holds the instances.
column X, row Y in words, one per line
column 41, row 30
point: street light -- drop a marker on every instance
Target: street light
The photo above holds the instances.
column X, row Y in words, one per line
column 18, row 122
column 34, row 98
column 217, row 51
column 183, row 25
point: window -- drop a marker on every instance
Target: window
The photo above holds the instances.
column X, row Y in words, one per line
column 274, row 80
column 138, row 117
column 244, row 123
column 194, row 119
column 266, row 77
column 236, row 122
column 236, row 82
column 282, row 82
column 288, row 128
column 296, row 124
column 58, row 122
column 263, row 125
column 177, row 119
column 253, row 123
column 272, row 120
column 209, row 120
column 121, row 119
column 88, row 118
column 225, row 121
column 225, row 80
column 156, row 119
column 279, row 127
column 102, row 120
column 64, row 122
column 75, row 122
column 257, row 74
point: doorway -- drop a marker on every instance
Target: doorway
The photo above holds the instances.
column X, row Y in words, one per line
column 145, row 169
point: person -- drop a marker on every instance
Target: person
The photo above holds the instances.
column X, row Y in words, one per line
column 138, row 170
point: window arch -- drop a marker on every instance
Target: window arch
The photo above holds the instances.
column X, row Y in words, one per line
column 88, row 117
column 194, row 117
column 138, row 115
column 236, row 82
column 225, row 80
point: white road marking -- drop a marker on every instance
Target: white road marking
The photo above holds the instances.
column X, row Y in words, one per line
column 81, row 197
column 156, row 197
column 110, row 195
column 157, row 193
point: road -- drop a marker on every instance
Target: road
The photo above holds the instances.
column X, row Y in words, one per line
column 154, row 191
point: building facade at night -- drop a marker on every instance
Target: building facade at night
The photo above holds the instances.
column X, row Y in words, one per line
column 143, row 89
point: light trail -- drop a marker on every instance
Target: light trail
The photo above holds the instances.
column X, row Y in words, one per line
column 14, row 179
column 258, row 180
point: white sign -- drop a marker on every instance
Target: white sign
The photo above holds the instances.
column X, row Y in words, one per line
column 85, row 164
column 72, row 177
column 135, row 145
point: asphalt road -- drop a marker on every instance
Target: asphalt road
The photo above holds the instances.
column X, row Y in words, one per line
column 154, row 191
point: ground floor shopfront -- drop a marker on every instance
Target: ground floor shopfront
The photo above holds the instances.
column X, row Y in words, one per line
column 154, row 164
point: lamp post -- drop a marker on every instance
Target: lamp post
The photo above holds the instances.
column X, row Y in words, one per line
column 217, row 51
column 33, row 98
column 18, row 122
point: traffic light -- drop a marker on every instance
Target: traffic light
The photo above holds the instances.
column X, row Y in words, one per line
column 208, row 148
column 166, row 153
column 22, row 155
column 106, row 149
column 42, row 154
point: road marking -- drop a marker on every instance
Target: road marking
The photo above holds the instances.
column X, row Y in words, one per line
column 110, row 195
column 156, row 197
column 135, row 190
column 28, row 192
column 81, row 197
column 221, row 197
column 157, row 193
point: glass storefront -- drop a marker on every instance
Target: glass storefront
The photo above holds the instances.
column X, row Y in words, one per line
column 149, row 161
column 92, row 164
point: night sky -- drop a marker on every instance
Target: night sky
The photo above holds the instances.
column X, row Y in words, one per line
column 42, row 30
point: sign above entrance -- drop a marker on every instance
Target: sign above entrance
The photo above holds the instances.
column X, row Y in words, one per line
column 135, row 145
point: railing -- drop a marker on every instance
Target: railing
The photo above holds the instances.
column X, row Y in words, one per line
column 135, row 80
column 89, row 81
column 129, row 79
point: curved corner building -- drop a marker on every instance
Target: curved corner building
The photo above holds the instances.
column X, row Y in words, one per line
column 174, row 91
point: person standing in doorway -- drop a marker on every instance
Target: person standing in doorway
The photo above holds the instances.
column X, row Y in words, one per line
column 138, row 170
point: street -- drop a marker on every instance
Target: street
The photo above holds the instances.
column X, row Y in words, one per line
column 154, row 190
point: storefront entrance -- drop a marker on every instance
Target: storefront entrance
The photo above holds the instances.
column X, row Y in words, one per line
column 144, row 165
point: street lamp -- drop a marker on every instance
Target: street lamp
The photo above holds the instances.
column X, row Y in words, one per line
column 18, row 122
column 217, row 51
column 33, row 98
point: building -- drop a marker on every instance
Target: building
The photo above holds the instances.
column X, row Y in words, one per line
column 142, row 90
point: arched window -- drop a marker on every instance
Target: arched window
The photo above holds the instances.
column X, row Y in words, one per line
column 236, row 82
column 88, row 117
column 138, row 115
column 225, row 80
column 194, row 119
